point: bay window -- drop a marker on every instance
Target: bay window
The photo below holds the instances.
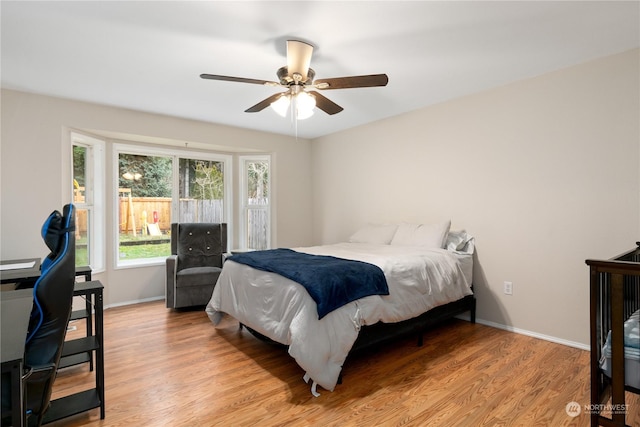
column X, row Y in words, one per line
column 156, row 187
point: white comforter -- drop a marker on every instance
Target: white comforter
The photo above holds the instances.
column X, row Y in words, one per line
column 419, row 279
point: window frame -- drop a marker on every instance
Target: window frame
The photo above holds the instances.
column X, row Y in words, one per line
column 243, row 194
column 95, row 196
column 175, row 154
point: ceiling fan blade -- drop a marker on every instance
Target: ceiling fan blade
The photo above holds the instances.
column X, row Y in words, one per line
column 352, row 82
column 325, row 104
column 238, row 79
column 264, row 103
column 298, row 58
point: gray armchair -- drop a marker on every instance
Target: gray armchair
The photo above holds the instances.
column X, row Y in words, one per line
column 195, row 263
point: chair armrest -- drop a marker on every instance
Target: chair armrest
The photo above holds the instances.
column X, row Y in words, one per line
column 171, row 270
column 172, row 263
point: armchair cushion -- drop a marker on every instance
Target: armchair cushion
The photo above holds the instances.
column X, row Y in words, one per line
column 197, row 276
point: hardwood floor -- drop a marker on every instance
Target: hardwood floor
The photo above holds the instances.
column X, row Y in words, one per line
column 173, row 368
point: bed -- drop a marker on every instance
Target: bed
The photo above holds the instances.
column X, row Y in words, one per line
column 615, row 336
column 428, row 270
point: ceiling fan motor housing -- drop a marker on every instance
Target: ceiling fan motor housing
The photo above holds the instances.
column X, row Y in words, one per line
column 286, row 79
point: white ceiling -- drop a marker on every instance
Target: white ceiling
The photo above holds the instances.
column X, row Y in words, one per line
column 148, row 55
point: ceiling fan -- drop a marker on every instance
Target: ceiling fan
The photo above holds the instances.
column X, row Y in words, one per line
column 298, row 78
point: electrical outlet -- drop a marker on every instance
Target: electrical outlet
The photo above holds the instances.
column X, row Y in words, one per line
column 508, row 288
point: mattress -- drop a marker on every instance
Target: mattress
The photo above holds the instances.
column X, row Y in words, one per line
column 631, row 352
column 419, row 279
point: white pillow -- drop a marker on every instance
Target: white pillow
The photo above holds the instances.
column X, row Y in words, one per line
column 425, row 235
column 374, row 234
column 459, row 241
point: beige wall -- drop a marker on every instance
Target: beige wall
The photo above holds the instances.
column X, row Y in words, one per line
column 544, row 172
column 36, row 167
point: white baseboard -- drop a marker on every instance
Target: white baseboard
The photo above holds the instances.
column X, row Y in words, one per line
column 120, row 304
column 535, row 335
column 463, row 317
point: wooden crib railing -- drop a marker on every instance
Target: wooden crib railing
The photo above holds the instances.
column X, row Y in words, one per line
column 615, row 295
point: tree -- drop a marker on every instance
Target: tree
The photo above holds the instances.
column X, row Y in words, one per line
column 258, row 175
column 150, row 176
column 209, row 180
column 79, row 154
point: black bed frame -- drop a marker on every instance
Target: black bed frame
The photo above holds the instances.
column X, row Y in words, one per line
column 381, row 333
column 373, row 336
column 615, row 295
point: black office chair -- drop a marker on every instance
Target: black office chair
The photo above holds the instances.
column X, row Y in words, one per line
column 52, row 301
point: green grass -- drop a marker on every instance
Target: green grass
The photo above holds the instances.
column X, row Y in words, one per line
column 145, row 251
column 141, row 238
column 82, row 256
column 142, row 251
column 82, row 253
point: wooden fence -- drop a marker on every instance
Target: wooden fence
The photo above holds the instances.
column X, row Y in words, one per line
column 257, row 225
column 201, row 210
column 158, row 210
column 81, row 223
column 191, row 210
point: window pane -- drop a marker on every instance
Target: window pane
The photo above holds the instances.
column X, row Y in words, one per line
column 82, row 237
column 144, row 206
column 79, row 173
column 201, row 191
column 87, row 192
column 257, row 182
column 256, row 192
column 82, row 214
column 257, row 221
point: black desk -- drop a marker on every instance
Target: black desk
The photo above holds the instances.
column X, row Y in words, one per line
column 30, row 274
column 94, row 343
column 94, row 397
column 16, row 307
column 13, row 368
column 77, row 351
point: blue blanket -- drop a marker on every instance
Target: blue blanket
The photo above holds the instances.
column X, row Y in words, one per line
column 332, row 282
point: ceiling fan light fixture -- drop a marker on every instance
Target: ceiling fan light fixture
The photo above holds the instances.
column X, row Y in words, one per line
column 281, row 105
column 305, row 103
